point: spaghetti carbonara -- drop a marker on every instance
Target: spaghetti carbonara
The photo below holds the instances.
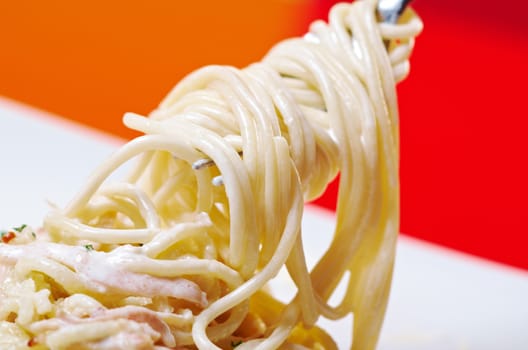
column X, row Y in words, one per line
column 178, row 255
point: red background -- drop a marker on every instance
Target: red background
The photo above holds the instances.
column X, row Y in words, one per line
column 464, row 129
column 463, row 114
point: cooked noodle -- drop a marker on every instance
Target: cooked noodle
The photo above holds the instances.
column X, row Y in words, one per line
column 178, row 255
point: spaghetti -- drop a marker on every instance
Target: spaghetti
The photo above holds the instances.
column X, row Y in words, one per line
column 178, row 254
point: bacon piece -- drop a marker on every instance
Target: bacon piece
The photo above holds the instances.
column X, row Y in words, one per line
column 123, row 340
column 137, row 314
column 141, row 315
column 120, row 281
column 103, row 272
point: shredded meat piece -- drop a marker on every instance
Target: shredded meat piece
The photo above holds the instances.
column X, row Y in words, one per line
column 132, row 341
column 103, row 272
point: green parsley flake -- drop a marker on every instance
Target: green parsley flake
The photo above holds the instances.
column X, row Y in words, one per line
column 234, row 344
column 89, row 247
column 19, row 229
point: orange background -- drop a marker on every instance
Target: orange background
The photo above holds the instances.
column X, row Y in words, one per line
column 91, row 61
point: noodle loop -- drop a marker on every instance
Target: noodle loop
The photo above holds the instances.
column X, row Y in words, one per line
column 167, row 259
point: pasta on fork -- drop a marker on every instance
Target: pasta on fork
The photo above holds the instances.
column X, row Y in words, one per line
column 178, row 255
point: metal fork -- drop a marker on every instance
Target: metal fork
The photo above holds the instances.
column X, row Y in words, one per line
column 389, row 11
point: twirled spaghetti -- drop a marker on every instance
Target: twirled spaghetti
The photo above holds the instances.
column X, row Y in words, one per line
column 178, row 254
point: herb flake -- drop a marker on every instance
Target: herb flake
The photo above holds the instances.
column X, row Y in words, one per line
column 89, row 247
column 20, row 228
column 234, row 344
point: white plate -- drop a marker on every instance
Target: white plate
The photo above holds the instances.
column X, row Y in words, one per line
column 440, row 299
